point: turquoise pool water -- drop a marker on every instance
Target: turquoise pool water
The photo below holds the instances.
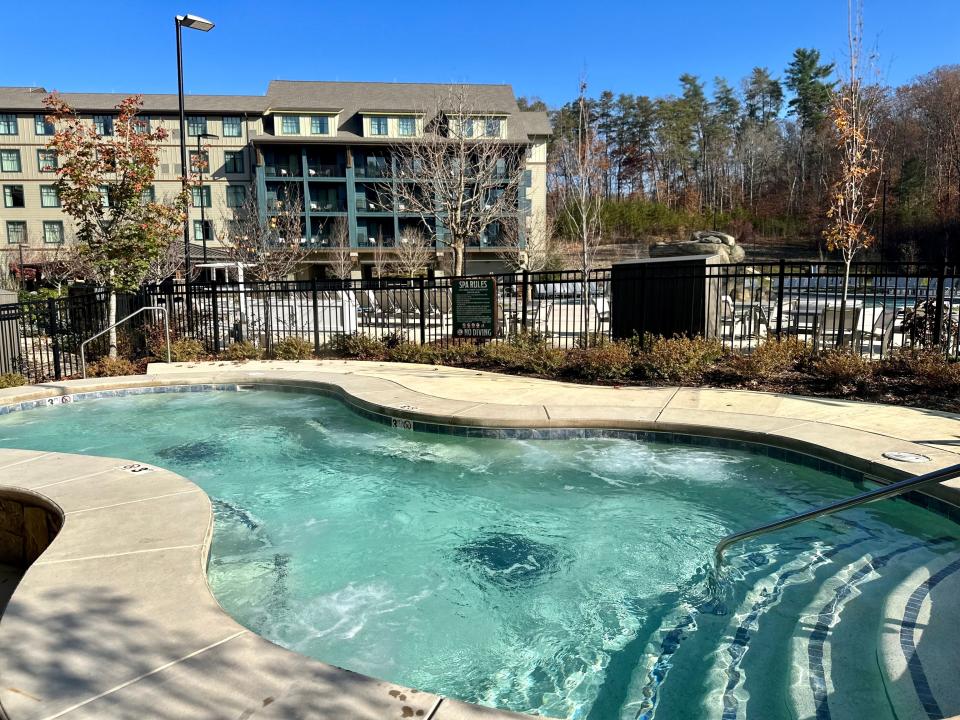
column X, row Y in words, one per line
column 556, row 577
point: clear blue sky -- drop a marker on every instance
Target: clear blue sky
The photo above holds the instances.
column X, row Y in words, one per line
column 541, row 48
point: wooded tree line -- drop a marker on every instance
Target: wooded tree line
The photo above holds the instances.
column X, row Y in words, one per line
column 759, row 156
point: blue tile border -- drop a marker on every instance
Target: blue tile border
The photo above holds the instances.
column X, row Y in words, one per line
column 908, row 626
column 928, row 502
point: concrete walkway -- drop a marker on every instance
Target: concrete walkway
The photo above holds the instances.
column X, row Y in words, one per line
column 115, row 619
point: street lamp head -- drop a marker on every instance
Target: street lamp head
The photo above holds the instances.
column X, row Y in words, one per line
column 208, row 136
column 195, row 22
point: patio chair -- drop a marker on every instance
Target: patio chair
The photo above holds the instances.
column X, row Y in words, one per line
column 540, row 315
column 366, row 303
column 440, row 301
column 385, row 302
column 602, row 308
column 881, row 330
column 835, row 325
column 731, row 322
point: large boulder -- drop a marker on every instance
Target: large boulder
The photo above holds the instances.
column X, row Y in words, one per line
column 713, row 236
column 729, row 252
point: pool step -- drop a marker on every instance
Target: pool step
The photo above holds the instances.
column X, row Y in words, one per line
column 821, row 654
column 917, row 650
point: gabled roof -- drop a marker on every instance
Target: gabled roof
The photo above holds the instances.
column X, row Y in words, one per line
column 32, row 99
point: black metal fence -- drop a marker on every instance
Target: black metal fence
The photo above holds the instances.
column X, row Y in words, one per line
column 877, row 309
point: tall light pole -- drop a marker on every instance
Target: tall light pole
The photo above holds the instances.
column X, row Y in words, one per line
column 194, row 23
column 201, row 161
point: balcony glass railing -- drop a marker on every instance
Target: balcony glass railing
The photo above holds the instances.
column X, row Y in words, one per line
column 322, row 170
column 372, row 171
column 291, row 170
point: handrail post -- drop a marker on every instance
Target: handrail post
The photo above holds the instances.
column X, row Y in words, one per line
column 938, row 310
column 523, row 305
column 166, row 332
column 423, row 311
column 780, row 281
column 55, row 340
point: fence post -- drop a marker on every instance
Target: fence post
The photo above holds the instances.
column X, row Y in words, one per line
column 938, row 310
column 780, row 279
column 523, row 303
column 216, row 318
column 423, row 311
column 54, row 332
column 316, row 317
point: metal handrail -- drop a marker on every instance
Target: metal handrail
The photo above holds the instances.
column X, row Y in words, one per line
column 166, row 331
column 897, row 488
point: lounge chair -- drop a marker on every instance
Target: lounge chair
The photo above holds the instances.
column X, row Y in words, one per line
column 835, row 325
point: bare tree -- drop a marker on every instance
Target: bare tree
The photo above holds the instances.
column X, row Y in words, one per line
column 412, row 253
column 578, row 181
column 167, row 264
column 341, row 255
column 531, row 250
column 460, row 173
column 381, row 258
column 854, row 113
column 268, row 248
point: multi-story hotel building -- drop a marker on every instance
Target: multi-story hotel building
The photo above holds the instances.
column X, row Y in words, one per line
column 331, row 140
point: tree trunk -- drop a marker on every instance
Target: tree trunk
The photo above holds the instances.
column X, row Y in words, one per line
column 111, row 321
column 458, row 260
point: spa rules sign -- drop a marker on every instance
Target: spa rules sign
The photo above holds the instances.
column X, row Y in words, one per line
column 475, row 308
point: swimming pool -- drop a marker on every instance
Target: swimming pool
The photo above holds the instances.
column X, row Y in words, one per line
column 527, row 574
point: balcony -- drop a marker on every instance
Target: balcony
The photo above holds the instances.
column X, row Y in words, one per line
column 318, row 170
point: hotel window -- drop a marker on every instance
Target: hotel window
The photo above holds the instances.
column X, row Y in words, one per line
column 103, row 124
column 53, row 232
column 202, row 230
column 8, row 124
column 319, row 126
column 46, row 160
column 141, row 125
column 201, row 196
column 236, row 196
column 49, row 198
column 16, row 232
column 378, row 126
column 493, row 127
column 407, row 127
column 199, row 161
column 104, row 196
column 13, row 196
column 196, row 125
column 42, row 127
column 148, row 195
column 232, row 127
column 233, row 162
column 290, row 125
column 10, row 161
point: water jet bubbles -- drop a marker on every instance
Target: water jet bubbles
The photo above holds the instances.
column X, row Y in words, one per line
column 198, row 451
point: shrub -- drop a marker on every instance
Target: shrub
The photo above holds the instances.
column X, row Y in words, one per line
column 462, row 354
column 841, row 367
column 185, row 350
column 771, row 358
column 409, row 352
column 925, row 368
column 292, row 348
column 112, row 367
column 522, row 354
column 611, row 361
column 9, row 380
column 357, row 346
column 243, row 350
column 679, row 359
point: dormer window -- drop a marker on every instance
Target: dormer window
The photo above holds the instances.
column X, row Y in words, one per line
column 467, row 127
column 407, row 126
column 378, row 126
column 290, row 125
column 493, row 127
column 319, row 126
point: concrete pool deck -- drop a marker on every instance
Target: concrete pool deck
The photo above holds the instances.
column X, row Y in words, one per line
column 114, row 619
